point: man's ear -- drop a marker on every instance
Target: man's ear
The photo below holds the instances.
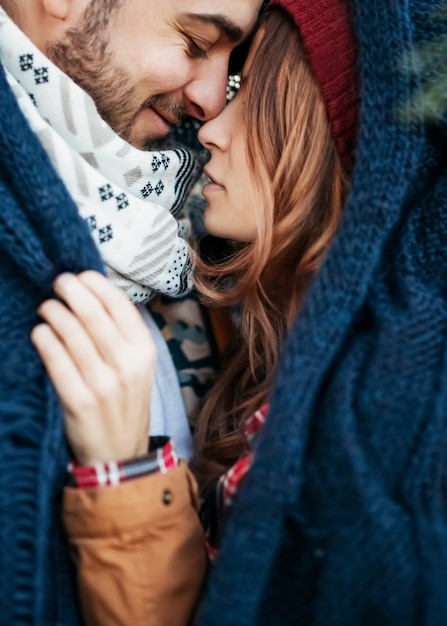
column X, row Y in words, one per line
column 57, row 9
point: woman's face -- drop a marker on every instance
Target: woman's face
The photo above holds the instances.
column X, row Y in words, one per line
column 234, row 197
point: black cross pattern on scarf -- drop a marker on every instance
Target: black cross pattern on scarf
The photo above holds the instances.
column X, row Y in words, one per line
column 105, row 234
column 105, row 192
column 159, row 188
column 122, row 201
column 156, row 163
column 26, row 62
column 147, row 190
column 41, row 75
column 91, row 223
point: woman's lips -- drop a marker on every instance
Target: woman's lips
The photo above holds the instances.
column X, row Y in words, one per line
column 211, row 179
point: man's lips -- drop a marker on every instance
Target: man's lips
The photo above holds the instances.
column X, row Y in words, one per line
column 169, row 119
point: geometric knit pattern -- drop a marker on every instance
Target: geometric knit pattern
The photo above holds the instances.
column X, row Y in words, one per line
column 41, row 234
column 128, row 197
column 342, row 519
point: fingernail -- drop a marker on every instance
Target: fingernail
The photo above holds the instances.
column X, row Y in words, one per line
column 64, row 282
column 39, row 333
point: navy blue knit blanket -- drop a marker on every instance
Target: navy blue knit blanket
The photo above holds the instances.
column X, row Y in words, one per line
column 41, row 234
column 343, row 518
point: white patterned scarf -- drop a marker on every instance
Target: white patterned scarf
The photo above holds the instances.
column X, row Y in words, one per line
column 128, row 197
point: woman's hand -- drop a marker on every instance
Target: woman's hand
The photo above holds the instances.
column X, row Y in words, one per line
column 101, row 359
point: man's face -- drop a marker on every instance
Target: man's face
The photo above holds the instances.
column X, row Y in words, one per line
column 154, row 61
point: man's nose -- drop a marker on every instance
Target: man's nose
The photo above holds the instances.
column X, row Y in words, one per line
column 205, row 94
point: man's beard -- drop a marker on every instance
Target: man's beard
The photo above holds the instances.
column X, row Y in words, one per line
column 85, row 57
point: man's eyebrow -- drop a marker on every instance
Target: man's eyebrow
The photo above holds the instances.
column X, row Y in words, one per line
column 231, row 30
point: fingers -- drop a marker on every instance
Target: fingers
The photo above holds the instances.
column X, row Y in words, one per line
column 61, row 369
column 102, row 425
column 94, row 331
column 70, row 337
column 124, row 314
column 101, row 359
column 105, row 313
column 87, row 311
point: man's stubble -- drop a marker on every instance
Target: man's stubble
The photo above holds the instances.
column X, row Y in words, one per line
column 84, row 55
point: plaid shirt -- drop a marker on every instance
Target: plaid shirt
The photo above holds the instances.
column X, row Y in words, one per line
column 161, row 459
column 229, row 482
column 219, row 501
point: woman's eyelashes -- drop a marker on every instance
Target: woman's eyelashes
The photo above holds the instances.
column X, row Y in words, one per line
column 196, row 50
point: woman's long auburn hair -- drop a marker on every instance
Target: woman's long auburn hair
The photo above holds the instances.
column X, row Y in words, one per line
column 291, row 151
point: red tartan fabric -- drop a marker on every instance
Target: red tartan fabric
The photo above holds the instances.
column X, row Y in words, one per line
column 230, row 482
column 108, row 474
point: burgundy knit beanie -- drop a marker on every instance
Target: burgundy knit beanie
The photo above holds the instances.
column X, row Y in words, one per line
column 329, row 41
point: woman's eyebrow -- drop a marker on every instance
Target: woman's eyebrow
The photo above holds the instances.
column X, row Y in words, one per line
column 224, row 24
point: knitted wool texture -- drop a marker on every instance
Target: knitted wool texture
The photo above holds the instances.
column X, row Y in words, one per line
column 342, row 519
column 326, row 29
column 41, row 234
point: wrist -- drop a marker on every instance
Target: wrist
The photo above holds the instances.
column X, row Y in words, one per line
column 97, row 454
